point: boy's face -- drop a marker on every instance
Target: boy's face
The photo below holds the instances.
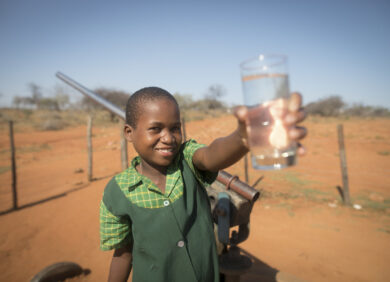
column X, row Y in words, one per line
column 157, row 136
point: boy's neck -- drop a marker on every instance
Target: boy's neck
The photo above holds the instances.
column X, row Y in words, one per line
column 146, row 169
column 156, row 174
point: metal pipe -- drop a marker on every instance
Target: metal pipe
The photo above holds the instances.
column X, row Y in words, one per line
column 233, row 183
column 92, row 95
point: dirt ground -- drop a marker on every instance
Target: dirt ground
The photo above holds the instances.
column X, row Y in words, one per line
column 300, row 231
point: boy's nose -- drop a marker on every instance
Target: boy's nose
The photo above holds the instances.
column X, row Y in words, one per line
column 167, row 137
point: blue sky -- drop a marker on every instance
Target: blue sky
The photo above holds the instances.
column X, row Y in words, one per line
column 334, row 47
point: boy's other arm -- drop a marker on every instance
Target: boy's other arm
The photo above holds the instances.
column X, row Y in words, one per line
column 225, row 151
column 120, row 265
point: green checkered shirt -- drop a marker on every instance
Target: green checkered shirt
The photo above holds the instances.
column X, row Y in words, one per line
column 115, row 232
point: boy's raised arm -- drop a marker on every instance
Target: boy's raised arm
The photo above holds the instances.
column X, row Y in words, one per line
column 225, row 151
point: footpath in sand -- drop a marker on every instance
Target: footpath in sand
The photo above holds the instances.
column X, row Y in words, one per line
column 298, row 228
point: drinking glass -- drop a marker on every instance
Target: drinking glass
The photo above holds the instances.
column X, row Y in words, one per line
column 266, row 94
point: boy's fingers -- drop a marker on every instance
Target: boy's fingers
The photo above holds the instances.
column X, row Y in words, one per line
column 295, row 102
column 296, row 117
column 301, row 149
column 297, row 132
column 241, row 113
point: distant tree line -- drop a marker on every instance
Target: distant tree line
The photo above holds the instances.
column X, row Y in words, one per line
column 60, row 101
column 117, row 97
column 334, row 106
column 212, row 100
column 331, row 106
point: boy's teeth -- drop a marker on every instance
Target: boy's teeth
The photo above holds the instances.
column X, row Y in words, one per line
column 165, row 150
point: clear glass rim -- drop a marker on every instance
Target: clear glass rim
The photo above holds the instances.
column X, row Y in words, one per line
column 261, row 57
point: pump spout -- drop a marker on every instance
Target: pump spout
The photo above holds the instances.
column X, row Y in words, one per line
column 90, row 94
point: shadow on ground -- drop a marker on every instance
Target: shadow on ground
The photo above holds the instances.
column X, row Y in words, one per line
column 28, row 205
column 260, row 271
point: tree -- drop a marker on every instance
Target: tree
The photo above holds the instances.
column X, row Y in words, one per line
column 36, row 93
column 22, row 101
column 116, row 97
column 61, row 98
column 48, row 104
column 330, row 106
column 215, row 92
column 212, row 98
column 17, row 101
column 366, row 111
column 185, row 101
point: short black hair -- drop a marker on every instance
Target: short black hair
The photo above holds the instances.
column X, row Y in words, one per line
column 140, row 97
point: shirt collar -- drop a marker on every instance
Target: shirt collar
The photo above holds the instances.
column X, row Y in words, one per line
column 135, row 178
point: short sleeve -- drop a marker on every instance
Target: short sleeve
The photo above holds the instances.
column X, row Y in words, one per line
column 205, row 177
column 115, row 232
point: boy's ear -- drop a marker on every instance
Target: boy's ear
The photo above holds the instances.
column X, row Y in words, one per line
column 128, row 131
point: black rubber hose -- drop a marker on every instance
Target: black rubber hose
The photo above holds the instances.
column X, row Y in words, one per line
column 58, row 272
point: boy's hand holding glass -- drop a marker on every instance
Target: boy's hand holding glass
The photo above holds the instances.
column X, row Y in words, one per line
column 294, row 115
column 268, row 122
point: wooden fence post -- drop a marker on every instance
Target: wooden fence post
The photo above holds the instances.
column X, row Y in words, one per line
column 13, row 164
column 124, row 157
column 246, row 168
column 183, row 124
column 89, row 144
column 343, row 162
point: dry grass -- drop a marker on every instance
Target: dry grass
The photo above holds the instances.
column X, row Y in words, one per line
column 43, row 120
column 46, row 120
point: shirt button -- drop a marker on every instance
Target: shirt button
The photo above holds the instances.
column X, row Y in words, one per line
column 166, row 203
column 180, row 244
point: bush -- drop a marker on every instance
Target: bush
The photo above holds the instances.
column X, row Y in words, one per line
column 330, row 106
column 116, row 97
column 367, row 111
column 52, row 124
column 334, row 106
column 48, row 120
column 206, row 105
column 185, row 101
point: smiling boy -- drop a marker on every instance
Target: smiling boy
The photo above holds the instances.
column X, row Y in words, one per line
column 156, row 214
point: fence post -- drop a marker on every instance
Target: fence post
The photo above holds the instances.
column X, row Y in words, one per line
column 246, row 168
column 89, row 144
column 343, row 163
column 183, row 124
column 13, row 164
column 124, row 158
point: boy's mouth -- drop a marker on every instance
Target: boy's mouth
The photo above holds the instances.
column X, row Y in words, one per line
column 166, row 151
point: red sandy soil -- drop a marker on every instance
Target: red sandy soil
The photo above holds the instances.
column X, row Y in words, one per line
column 299, row 228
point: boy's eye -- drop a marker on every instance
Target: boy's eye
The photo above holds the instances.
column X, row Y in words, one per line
column 154, row 129
column 176, row 128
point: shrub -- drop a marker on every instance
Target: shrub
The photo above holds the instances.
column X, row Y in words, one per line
column 330, row 106
column 185, row 101
column 366, row 111
column 116, row 97
column 52, row 124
